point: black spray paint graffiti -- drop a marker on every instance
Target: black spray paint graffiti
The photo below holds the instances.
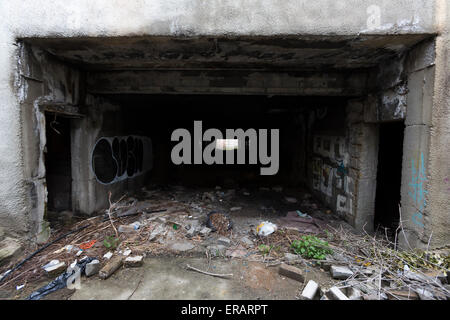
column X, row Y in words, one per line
column 118, row 158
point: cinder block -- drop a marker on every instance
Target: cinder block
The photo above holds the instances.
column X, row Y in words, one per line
column 291, row 272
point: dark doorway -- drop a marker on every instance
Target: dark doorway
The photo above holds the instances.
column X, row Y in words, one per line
column 389, row 176
column 58, row 163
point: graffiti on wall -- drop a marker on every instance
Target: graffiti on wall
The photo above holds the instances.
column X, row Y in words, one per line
column 418, row 193
column 117, row 158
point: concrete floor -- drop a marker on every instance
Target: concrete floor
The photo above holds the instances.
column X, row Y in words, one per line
column 167, row 278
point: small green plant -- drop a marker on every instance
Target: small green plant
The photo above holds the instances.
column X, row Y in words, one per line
column 311, row 247
column 110, row 242
column 264, row 249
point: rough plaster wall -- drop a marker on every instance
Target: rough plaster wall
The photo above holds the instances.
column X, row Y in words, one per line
column 415, row 197
column 155, row 17
column 437, row 213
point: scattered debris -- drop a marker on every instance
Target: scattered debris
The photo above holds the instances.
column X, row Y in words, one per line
column 336, row 294
column 61, row 281
column 310, row 290
column 340, row 272
column 219, row 222
column 265, row 228
column 54, row 268
column 108, row 255
column 235, row 209
column 291, row 272
column 209, row 273
column 112, row 266
column 92, row 268
column 132, row 262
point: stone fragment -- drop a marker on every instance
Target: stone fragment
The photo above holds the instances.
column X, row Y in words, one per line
column 246, row 241
column 156, row 232
column 354, row 294
column 92, row 268
column 290, row 257
column 132, row 262
column 291, row 272
column 112, row 266
column 205, row 231
column 108, row 255
column 224, row 241
column 341, row 273
column 310, row 290
column 9, row 249
column 336, row 294
column 55, row 268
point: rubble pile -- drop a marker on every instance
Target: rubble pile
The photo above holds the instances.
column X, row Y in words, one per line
column 176, row 221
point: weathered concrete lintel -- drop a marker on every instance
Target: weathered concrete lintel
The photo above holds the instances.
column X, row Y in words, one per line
column 223, row 82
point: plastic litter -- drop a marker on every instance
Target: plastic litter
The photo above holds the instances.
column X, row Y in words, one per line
column 51, row 264
column 60, row 282
column 265, row 228
column 87, row 245
column 303, row 215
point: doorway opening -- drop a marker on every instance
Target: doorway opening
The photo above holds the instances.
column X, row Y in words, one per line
column 389, row 176
column 58, row 165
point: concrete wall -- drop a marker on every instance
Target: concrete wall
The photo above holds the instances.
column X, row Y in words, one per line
column 40, row 80
column 186, row 17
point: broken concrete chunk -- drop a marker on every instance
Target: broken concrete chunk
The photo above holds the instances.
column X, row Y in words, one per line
column 205, row 231
column 354, row 294
column 224, row 241
column 310, row 290
column 108, row 255
column 132, row 262
column 336, row 294
column 341, row 273
column 291, row 272
column 127, row 252
column 156, row 232
column 9, row 249
column 290, row 257
column 111, row 267
column 92, row 268
column 235, row 209
column 247, row 241
column 55, row 270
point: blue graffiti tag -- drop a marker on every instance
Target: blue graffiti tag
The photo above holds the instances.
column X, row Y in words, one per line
column 418, row 180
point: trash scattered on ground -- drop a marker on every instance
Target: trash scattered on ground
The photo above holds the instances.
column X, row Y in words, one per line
column 265, row 228
column 132, row 262
column 174, row 222
column 60, row 282
column 112, row 266
column 310, row 290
